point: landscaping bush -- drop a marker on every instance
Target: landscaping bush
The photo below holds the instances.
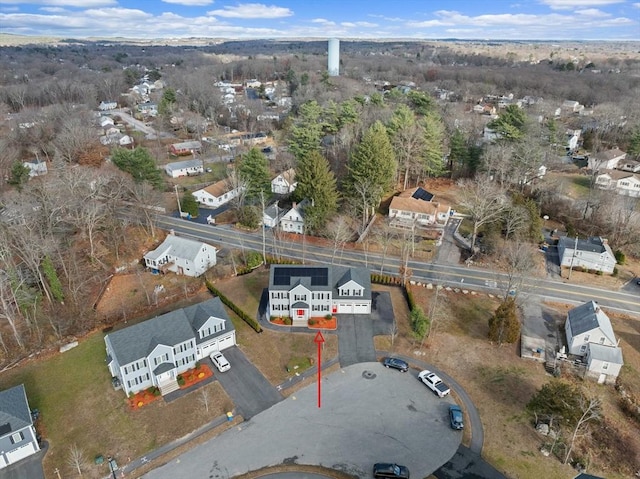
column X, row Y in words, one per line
column 288, row 321
column 233, row 307
column 620, row 257
column 328, row 316
column 156, row 391
column 313, row 322
column 419, row 322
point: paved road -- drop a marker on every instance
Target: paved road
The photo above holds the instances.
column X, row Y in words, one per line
column 369, row 414
column 467, row 464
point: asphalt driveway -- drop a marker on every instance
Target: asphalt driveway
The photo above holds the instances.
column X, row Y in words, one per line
column 249, row 390
column 369, row 414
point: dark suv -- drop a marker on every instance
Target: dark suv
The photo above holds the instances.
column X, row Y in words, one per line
column 385, row 470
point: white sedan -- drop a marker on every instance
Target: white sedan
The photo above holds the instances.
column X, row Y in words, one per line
column 220, row 362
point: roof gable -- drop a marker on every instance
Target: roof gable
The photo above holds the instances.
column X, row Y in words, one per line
column 588, row 317
column 14, row 410
column 179, row 247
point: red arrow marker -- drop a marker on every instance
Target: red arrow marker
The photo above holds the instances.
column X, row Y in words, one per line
column 319, row 340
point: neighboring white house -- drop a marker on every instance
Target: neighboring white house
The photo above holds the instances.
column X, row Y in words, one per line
column 629, row 165
column 571, row 106
column 107, row 105
column 302, row 292
column 590, row 335
column 606, row 160
column 272, row 215
column 36, row 167
column 155, row 352
column 417, row 208
column 622, row 182
column 17, row 435
column 573, row 137
column 106, row 121
column 293, row 220
column 217, row 194
column 593, row 253
column 284, row 183
column 184, row 168
column 182, row 256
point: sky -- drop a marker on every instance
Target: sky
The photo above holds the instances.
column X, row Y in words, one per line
column 348, row 19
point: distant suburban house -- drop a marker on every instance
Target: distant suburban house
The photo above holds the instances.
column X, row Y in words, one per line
column 217, row 194
column 182, row 256
column 593, row 253
column 272, row 215
column 590, row 335
column 106, row 121
column 629, row 165
column 573, row 137
column 606, row 160
column 571, row 106
column 108, row 105
column 18, row 437
column 184, row 168
column 293, row 220
column 488, row 134
column 284, row 183
column 417, row 208
column 185, row 147
column 622, row 182
column 302, row 292
column 155, row 352
column 36, row 167
column 148, row 108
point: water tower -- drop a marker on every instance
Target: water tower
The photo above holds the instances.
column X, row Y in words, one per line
column 334, row 57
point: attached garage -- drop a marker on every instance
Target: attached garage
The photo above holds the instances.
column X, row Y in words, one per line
column 21, row 453
column 216, row 344
column 353, row 308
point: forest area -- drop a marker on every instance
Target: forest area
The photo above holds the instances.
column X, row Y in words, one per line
column 399, row 114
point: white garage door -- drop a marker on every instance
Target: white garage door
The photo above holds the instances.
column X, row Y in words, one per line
column 361, row 309
column 344, row 308
column 20, row 453
column 225, row 342
column 208, row 349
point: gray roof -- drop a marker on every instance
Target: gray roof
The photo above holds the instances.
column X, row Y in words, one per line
column 137, row 341
column 178, row 246
column 178, row 165
column 318, row 278
column 610, row 354
column 14, row 410
column 273, row 211
column 588, row 317
column 594, row 244
column 188, row 145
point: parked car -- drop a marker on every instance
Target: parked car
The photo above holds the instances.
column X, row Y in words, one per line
column 385, row 470
column 433, row 382
column 455, row 417
column 396, row 363
column 220, row 362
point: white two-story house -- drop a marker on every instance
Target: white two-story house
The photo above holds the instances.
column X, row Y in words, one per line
column 284, row 183
column 593, row 253
column 606, row 160
column 17, row 435
column 622, row 182
column 302, row 292
column 590, row 335
column 293, row 220
column 182, row 256
column 155, row 352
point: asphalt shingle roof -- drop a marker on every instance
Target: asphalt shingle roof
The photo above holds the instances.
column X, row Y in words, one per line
column 178, row 246
column 588, row 317
column 610, row 354
column 14, row 409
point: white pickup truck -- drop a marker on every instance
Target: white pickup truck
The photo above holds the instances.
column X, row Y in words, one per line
column 433, row 382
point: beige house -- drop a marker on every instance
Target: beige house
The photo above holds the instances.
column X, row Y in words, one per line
column 217, row 194
column 622, row 182
column 417, row 208
column 606, row 160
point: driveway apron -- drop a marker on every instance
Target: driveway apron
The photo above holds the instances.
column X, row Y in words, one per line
column 249, row 390
column 355, row 340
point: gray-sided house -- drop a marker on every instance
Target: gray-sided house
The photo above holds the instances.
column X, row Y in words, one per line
column 184, row 168
column 155, row 352
column 17, row 435
column 182, row 256
column 301, row 292
column 590, row 335
column 593, row 253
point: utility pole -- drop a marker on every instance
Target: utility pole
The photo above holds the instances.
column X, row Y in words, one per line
column 573, row 256
column 178, row 199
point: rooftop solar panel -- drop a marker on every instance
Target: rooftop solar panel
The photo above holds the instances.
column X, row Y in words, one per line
column 422, row 194
column 319, row 276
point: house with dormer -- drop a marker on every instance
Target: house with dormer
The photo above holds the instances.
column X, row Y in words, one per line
column 182, row 256
column 417, row 208
column 590, row 336
column 622, row 182
column 155, row 352
column 301, row 292
column 18, row 437
column 293, row 220
column 284, row 183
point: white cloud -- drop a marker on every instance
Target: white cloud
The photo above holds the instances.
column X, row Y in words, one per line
column 569, row 4
column 637, row 4
column 252, row 10
column 52, row 9
column 190, row 3
column 66, row 3
column 358, row 24
column 592, row 12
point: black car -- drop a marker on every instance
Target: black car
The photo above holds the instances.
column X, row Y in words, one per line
column 390, row 470
column 455, row 417
column 396, row 363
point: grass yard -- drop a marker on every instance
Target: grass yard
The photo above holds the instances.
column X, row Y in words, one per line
column 78, row 406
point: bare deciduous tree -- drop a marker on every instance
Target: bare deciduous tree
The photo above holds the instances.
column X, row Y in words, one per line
column 76, row 458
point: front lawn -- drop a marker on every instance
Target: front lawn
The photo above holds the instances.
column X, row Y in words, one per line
column 78, row 406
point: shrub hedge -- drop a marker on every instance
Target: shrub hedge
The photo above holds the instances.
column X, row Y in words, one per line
column 233, row 307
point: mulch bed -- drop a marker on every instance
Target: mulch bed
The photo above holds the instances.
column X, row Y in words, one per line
column 313, row 323
column 149, row 395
